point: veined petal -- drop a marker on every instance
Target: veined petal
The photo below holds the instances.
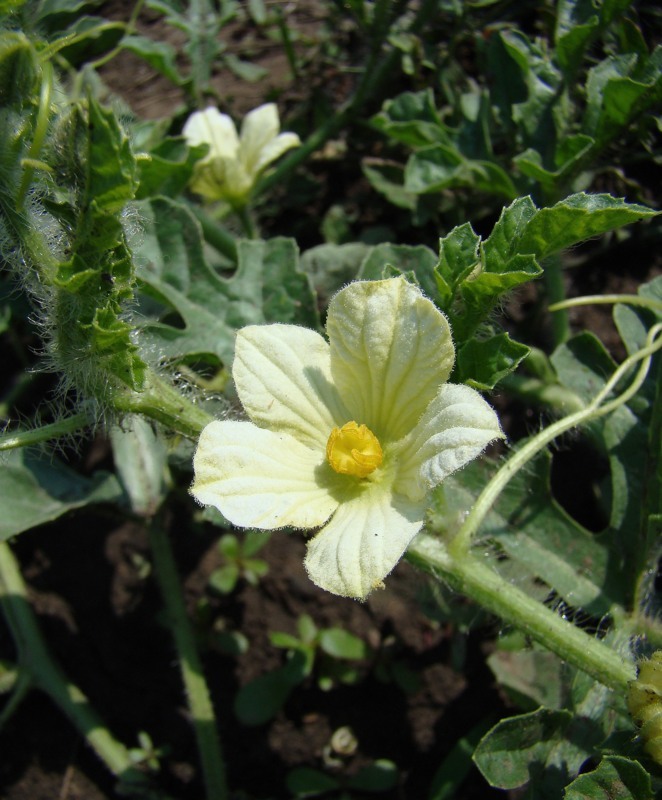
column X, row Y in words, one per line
column 261, row 479
column 456, row 427
column 221, row 179
column 215, row 129
column 391, row 348
column 259, row 127
column 363, row 541
column 275, row 149
column 238, row 183
column 283, row 379
column 209, row 178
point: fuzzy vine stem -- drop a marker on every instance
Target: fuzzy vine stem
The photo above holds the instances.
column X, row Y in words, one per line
column 44, row 433
column 199, row 701
column 40, row 129
column 214, row 233
column 553, row 277
column 164, row 404
column 454, row 563
column 609, row 299
column 479, row 581
column 247, row 222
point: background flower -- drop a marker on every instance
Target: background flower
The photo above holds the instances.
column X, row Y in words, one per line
column 233, row 164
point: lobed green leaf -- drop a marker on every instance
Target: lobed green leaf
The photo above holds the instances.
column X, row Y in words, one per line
column 267, row 286
column 533, row 749
column 618, row 89
column 162, row 56
column 615, row 778
column 576, row 219
column 482, row 363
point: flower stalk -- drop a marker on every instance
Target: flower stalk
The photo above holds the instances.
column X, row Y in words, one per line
column 162, row 403
column 197, row 693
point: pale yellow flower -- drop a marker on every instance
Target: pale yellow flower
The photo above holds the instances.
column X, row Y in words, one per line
column 349, row 434
column 233, row 164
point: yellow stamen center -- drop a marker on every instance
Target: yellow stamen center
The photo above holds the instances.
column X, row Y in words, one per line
column 354, row 450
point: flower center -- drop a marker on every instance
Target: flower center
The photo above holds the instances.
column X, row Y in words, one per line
column 354, row 450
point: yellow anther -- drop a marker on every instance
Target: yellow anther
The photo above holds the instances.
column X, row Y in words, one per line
column 354, row 450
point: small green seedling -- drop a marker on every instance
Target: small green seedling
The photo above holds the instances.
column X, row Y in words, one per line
column 147, row 755
column 380, row 776
column 331, row 648
column 324, row 651
column 239, row 563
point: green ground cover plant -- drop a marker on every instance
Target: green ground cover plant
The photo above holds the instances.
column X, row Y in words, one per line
column 353, row 313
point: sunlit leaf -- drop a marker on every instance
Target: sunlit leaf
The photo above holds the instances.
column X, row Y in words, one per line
column 340, row 643
column 411, row 118
column 618, row 88
column 577, row 218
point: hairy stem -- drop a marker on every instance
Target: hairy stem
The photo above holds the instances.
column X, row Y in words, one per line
column 477, row 580
column 553, row 278
column 609, row 299
column 164, row 404
column 215, row 234
column 44, row 433
column 247, row 222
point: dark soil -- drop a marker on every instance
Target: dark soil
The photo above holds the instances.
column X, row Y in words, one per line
column 102, row 618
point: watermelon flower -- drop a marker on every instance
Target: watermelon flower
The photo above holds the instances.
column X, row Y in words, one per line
column 347, row 435
column 233, row 163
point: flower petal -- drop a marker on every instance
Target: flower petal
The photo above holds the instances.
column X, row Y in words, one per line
column 258, row 128
column 275, row 149
column 391, row 348
column 364, row 540
column 221, row 179
column 456, row 427
column 284, row 382
column 260, row 479
column 215, row 129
